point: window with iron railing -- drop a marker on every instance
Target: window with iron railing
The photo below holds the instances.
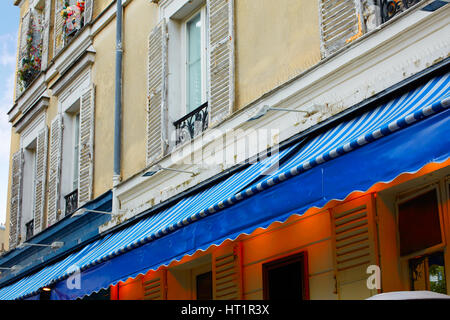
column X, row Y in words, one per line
column 192, row 124
column 343, row 21
column 29, row 229
column 71, row 202
column 30, row 50
column 73, row 14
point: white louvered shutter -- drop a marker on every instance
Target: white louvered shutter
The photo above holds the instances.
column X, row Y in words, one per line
column 88, row 11
column 227, row 272
column 155, row 285
column 53, row 200
column 58, row 37
column 46, row 35
column 86, row 139
column 40, row 180
column 15, row 210
column 157, row 93
column 23, row 33
column 355, row 244
column 221, row 58
column 340, row 22
column 25, row 27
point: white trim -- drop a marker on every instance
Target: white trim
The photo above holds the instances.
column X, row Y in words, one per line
column 24, row 121
column 32, row 130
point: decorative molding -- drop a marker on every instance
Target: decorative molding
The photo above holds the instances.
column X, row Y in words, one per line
column 78, row 66
column 31, row 131
column 28, row 98
column 35, row 110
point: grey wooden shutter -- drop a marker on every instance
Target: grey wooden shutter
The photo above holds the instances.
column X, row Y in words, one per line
column 86, row 139
column 58, row 37
column 157, row 93
column 221, row 58
column 40, row 180
column 15, row 210
column 339, row 21
column 355, row 246
column 227, row 272
column 53, row 200
column 46, row 35
column 88, row 11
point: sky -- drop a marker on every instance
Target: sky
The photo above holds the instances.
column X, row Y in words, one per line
column 9, row 26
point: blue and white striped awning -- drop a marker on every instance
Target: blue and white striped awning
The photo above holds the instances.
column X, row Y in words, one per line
column 404, row 135
column 184, row 212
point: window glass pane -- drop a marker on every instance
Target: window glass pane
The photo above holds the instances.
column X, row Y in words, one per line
column 428, row 273
column 419, row 225
column 194, row 65
column 76, row 151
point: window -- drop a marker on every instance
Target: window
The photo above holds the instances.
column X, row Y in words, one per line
column 195, row 61
column 29, row 168
column 204, row 286
column 428, row 273
column 76, row 150
column 70, row 157
column 419, row 223
column 286, row 278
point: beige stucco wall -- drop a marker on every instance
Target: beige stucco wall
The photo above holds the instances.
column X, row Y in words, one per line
column 103, row 73
column 274, row 43
column 99, row 6
column 139, row 19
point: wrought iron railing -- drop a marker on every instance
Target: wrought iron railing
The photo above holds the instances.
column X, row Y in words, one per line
column 71, row 202
column 191, row 124
column 29, row 229
column 389, row 8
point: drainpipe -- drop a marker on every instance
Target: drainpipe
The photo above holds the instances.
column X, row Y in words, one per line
column 118, row 107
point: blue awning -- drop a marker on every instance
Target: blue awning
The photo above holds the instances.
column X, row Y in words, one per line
column 400, row 136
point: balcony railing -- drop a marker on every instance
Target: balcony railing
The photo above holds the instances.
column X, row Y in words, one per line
column 191, row 124
column 71, row 202
column 73, row 20
column 29, row 229
column 389, row 8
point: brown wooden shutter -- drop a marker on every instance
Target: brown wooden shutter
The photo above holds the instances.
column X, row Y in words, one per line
column 221, row 58
column 355, row 244
column 157, row 93
column 341, row 21
column 15, row 210
column 88, row 11
column 53, row 200
column 46, row 35
column 58, row 37
column 155, row 285
column 86, row 157
column 40, row 180
column 227, row 272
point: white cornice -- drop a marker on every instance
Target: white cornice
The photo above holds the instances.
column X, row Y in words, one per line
column 29, row 97
column 23, row 122
column 71, row 72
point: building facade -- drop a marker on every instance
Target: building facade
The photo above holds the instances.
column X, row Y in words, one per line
column 229, row 149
